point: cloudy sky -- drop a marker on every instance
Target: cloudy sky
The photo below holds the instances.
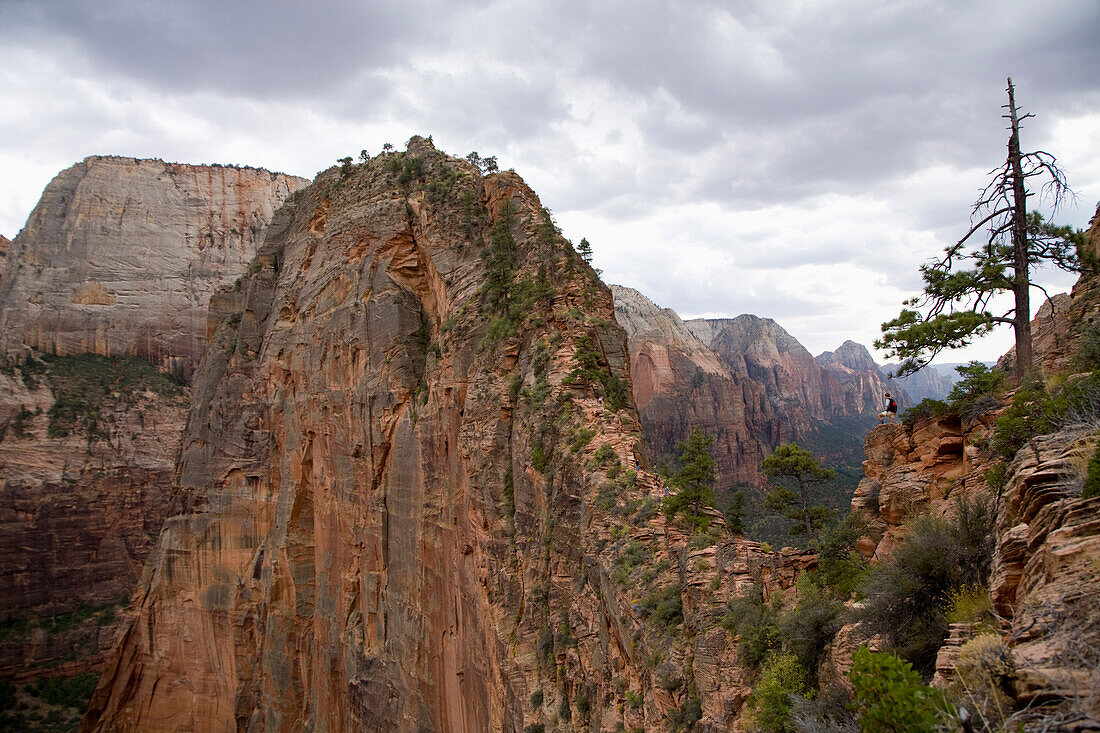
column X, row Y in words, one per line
column 795, row 159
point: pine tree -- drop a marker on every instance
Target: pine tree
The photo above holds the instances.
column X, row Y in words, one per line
column 694, row 481
column 956, row 304
column 795, row 472
column 584, row 249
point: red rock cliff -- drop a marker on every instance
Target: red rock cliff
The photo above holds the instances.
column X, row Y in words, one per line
column 402, row 507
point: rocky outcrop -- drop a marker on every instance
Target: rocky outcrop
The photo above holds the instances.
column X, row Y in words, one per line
column 910, row 471
column 5, row 245
column 121, row 255
column 1045, row 581
column 1046, row 572
column 1053, row 342
column 406, row 498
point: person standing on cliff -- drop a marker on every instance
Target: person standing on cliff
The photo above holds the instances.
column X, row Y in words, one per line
column 890, row 411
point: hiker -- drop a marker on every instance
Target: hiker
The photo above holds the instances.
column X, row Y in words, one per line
column 890, row 411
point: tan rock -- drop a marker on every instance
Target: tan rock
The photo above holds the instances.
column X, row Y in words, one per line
column 120, row 256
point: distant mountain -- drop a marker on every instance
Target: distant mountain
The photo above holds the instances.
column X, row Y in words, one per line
column 748, row 383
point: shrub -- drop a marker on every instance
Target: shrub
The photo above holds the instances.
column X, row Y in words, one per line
column 907, row 597
column 540, row 458
column 73, row 692
column 604, row 456
column 664, row 607
column 581, row 439
column 926, row 408
column 970, row 604
column 978, row 382
column 1092, row 479
column 808, row 628
column 983, row 671
column 891, row 698
column 770, row 700
column 829, row 712
column 756, row 626
column 647, row 511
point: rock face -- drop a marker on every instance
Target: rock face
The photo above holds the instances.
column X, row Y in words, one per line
column 1046, row 572
column 405, row 491
column 78, row 515
column 680, row 383
column 120, row 256
column 861, row 381
column 5, row 245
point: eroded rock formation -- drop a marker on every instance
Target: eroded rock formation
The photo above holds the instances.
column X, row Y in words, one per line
column 748, row 383
column 120, row 256
column 680, row 383
column 407, row 490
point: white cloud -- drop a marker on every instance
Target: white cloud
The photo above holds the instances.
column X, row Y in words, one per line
column 796, row 160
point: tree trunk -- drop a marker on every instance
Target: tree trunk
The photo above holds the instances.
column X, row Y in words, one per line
column 806, row 510
column 1025, row 362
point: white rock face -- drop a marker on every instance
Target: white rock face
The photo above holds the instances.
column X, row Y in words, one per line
column 121, row 255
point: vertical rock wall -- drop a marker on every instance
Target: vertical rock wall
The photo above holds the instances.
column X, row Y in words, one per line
column 120, row 256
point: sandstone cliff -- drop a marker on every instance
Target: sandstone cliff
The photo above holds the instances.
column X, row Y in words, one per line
column 680, row 383
column 799, row 391
column 747, row 382
column 5, row 245
column 120, row 256
column 85, row 473
column 407, row 490
column 861, row 382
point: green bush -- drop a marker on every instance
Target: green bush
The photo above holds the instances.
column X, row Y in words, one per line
column 85, row 385
column 891, row 698
column 604, row 456
column 808, row 628
column 756, row 626
column 73, row 692
column 1092, row 479
column 536, row 699
column 979, row 383
column 1035, row 411
column 771, row 699
column 926, row 408
column 664, row 607
column 907, row 597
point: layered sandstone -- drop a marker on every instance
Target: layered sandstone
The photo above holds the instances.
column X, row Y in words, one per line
column 406, row 493
column 78, row 516
column 5, row 245
column 861, row 381
column 680, row 383
column 121, row 255
column 745, row 381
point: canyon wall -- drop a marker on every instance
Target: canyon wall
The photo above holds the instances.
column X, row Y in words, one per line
column 747, row 382
column 121, row 255
column 412, row 493
column 119, row 258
